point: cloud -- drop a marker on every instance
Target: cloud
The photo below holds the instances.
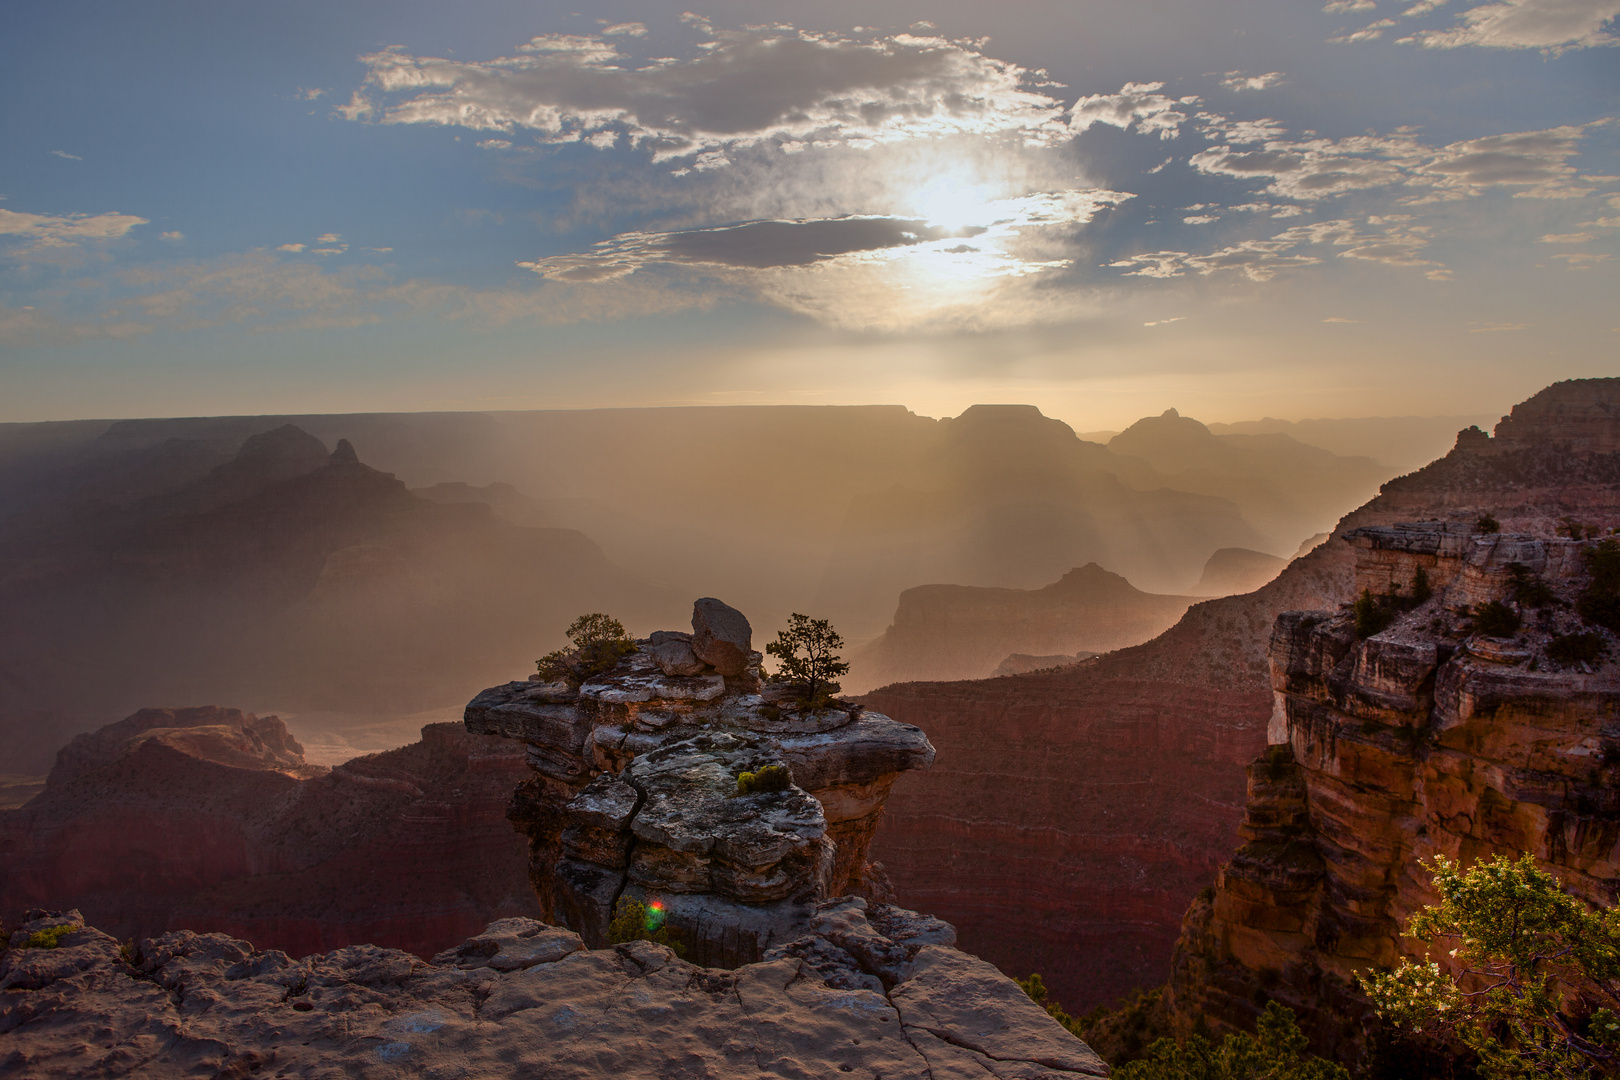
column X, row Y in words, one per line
column 1423, row 7
column 294, row 248
column 1237, row 81
column 1552, row 25
column 997, row 232
column 627, row 29
column 1137, row 104
column 1313, row 168
column 173, row 236
column 1566, row 238
column 742, row 88
column 40, row 231
column 1397, row 244
column 1582, row 261
column 65, row 154
column 329, row 238
column 1371, row 32
column 1337, row 319
column 1499, row 327
column 1166, row 322
column 1341, row 7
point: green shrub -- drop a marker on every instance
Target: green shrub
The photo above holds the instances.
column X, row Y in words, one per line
column 48, row 938
column 635, row 921
column 1528, row 588
column 1496, row 619
column 1276, row 1052
column 1599, row 602
column 1375, row 613
column 1487, row 523
column 600, row 642
column 1585, row 648
column 770, row 778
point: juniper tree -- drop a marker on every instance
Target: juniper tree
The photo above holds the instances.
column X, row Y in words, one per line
column 807, row 654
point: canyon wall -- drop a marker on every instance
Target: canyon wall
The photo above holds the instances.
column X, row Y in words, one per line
column 209, row 819
column 1100, row 799
column 1441, row 734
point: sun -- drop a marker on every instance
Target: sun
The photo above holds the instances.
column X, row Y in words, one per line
column 951, row 202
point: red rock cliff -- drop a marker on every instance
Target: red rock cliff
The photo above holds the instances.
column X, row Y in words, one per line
column 1070, row 818
column 209, row 819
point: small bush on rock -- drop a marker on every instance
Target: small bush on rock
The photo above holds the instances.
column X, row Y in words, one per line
column 600, row 642
column 635, row 921
column 1496, row 619
column 48, row 938
column 1487, row 523
column 770, row 778
column 1375, row 613
column 1576, row 648
column 1599, row 602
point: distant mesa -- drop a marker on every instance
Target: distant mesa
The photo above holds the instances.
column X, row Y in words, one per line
column 1023, row 663
column 1237, row 570
column 944, row 632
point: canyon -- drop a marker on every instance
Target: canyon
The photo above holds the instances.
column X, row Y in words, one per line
column 1099, row 800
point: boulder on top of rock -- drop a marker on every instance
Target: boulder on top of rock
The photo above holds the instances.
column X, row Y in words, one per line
column 676, row 658
column 721, row 636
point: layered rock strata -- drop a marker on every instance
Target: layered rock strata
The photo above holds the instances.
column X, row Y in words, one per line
column 869, row 992
column 1129, row 768
column 635, row 790
column 1426, row 738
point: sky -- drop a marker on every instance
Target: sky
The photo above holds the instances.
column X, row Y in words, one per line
column 1239, row 209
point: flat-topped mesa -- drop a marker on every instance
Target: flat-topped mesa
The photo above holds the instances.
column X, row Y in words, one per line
column 635, row 790
column 1481, row 719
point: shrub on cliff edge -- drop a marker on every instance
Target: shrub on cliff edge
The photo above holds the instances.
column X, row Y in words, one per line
column 1599, row 602
column 600, row 642
column 1277, row 1051
column 1540, row 973
column 807, row 656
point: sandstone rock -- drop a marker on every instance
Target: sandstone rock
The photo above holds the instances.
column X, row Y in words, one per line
column 721, row 636
column 344, row 454
column 635, row 794
column 525, row 998
column 676, row 658
column 1422, row 740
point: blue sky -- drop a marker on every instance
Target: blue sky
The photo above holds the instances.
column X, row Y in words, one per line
column 1239, row 209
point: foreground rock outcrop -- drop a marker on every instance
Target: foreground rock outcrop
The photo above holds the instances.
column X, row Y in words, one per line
column 1130, row 768
column 210, row 819
column 1444, row 733
column 636, row 790
column 866, row 991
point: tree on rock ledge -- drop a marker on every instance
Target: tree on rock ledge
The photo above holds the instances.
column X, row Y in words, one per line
column 807, row 652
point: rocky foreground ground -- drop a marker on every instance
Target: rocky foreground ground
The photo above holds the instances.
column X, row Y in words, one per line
column 867, row 992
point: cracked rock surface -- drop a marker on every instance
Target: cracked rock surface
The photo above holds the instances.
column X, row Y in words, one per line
column 527, row 999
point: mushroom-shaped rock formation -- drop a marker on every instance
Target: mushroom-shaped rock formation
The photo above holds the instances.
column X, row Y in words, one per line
column 635, row 792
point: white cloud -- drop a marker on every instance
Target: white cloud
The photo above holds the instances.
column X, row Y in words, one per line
column 1583, row 261
column 1313, row 168
column 1236, row 80
column 1552, row 25
column 63, row 230
column 65, row 154
column 329, row 238
column 742, row 88
column 1166, row 322
column 627, row 29
column 1397, row 244
column 173, row 236
column 1200, row 219
column 294, row 248
column 1371, row 32
column 1566, row 238
column 1137, row 104
column 1341, row 7
column 1423, row 7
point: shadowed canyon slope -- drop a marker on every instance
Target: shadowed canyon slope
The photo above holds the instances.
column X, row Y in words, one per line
column 958, row 631
column 286, row 574
column 208, row 818
column 1098, row 800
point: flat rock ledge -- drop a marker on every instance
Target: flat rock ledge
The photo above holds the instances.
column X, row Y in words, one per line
column 866, row 992
column 635, row 791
